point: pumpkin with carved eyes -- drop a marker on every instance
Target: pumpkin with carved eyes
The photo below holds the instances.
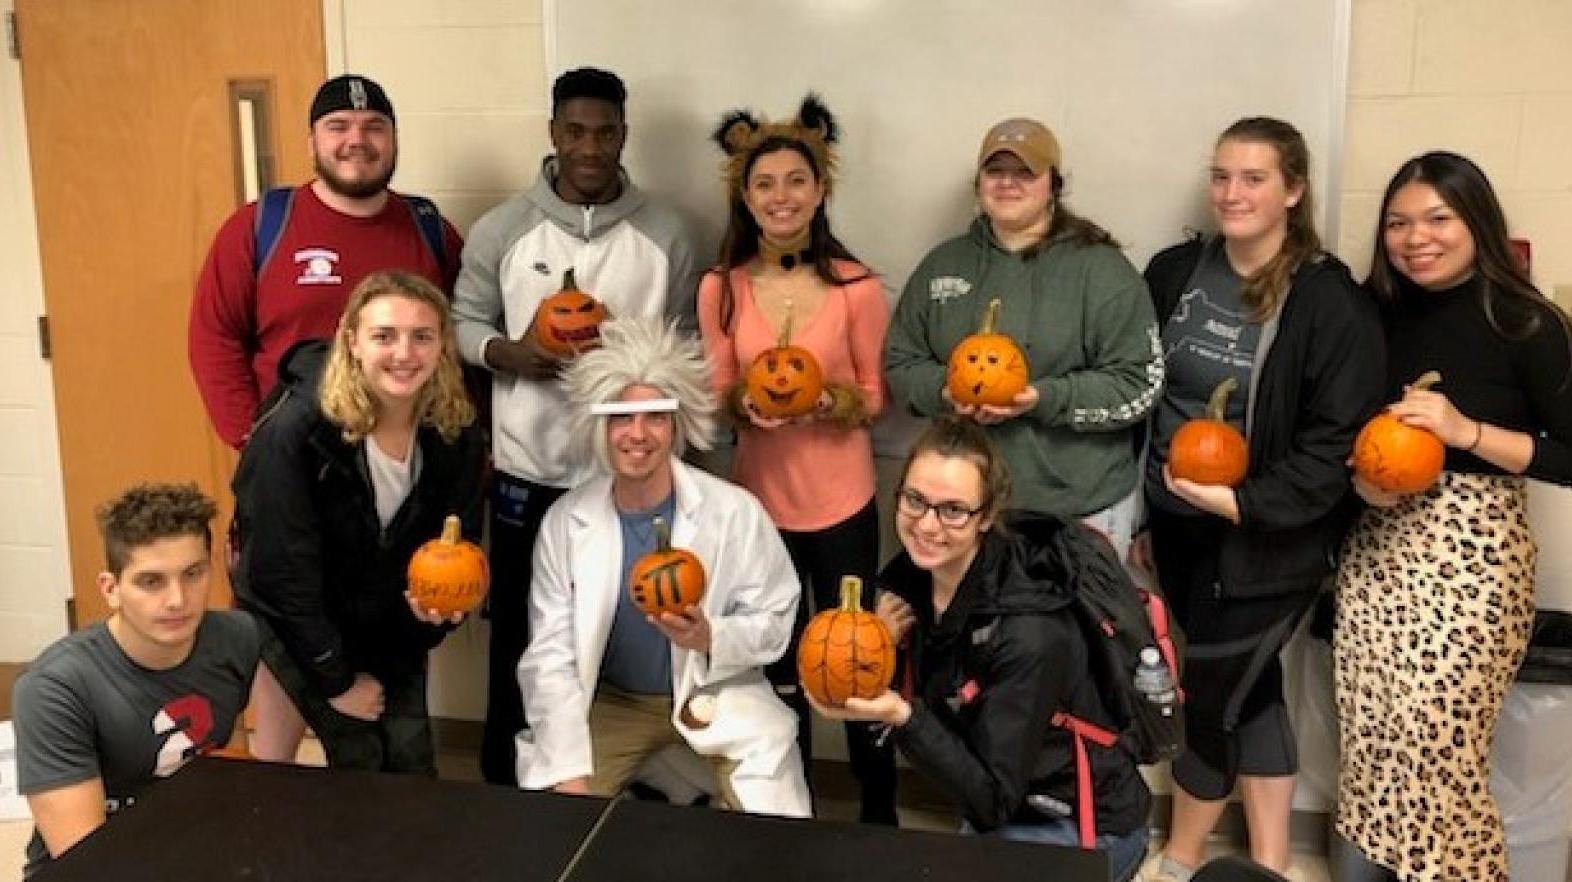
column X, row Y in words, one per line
column 785, row 381
column 568, row 321
column 667, row 579
column 987, row 368
column 1397, row 457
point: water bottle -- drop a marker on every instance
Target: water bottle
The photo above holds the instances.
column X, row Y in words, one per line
column 1155, row 683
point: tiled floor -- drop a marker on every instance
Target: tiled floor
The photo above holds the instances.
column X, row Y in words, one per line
column 921, row 809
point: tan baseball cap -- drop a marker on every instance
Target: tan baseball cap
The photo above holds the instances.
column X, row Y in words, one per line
column 1028, row 139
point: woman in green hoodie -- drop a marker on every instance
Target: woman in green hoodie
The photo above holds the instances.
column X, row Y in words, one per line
column 1077, row 308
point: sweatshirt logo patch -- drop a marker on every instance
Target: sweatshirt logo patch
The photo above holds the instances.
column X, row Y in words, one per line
column 318, row 266
column 943, row 288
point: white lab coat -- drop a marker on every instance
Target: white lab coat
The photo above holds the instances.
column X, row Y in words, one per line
column 750, row 598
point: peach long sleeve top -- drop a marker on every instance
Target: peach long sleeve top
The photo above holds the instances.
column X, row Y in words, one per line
column 816, row 475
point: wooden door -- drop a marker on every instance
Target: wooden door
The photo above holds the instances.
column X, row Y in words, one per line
column 130, row 126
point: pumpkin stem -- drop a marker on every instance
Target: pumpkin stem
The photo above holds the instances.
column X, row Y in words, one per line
column 451, row 530
column 786, row 327
column 1427, row 379
column 662, row 534
column 569, row 283
column 851, row 593
column 1217, row 405
column 991, row 317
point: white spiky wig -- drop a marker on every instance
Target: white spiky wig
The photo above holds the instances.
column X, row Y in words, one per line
column 640, row 352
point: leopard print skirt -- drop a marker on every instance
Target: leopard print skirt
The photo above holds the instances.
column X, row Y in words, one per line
column 1435, row 607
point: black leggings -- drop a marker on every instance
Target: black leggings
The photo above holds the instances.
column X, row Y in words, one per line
column 849, row 548
column 1236, row 721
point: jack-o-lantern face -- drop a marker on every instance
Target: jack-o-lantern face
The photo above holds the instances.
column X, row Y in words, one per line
column 987, row 368
column 785, row 382
column 568, row 321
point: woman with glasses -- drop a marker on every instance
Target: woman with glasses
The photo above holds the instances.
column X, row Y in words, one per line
column 994, row 651
column 1078, row 310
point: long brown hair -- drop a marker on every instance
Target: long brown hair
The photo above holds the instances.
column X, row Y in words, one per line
column 1265, row 288
column 741, row 242
column 345, row 395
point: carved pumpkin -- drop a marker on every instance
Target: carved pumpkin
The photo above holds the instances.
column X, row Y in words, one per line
column 569, row 320
column 1397, row 457
column 846, row 651
column 667, row 579
column 785, row 380
column 449, row 574
column 987, row 368
column 1207, row 450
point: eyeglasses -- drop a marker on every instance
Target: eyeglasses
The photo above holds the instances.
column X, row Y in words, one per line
column 950, row 514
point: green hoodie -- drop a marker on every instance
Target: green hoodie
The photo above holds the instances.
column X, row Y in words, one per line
column 1084, row 318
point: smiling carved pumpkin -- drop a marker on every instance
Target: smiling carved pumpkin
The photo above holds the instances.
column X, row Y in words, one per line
column 785, row 381
column 987, row 368
column 568, row 321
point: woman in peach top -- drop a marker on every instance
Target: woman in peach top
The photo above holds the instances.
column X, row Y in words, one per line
column 780, row 265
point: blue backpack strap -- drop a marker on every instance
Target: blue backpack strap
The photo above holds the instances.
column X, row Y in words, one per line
column 272, row 215
column 428, row 220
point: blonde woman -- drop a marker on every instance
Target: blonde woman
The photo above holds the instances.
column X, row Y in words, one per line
column 362, row 450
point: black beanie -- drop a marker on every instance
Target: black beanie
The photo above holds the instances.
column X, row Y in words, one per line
column 350, row 92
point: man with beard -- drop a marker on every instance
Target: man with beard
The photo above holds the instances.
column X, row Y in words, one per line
column 324, row 238
column 630, row 252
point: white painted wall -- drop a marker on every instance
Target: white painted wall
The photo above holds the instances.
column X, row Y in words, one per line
column 34, row 565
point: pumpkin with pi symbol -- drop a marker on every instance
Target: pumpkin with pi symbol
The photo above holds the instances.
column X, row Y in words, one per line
column 1207, row 450
column 1397, row 457
column 568, row 321
column 449, row 574
column 987, row 368
column 667, row 580
column 785, row 381
column 846, row 651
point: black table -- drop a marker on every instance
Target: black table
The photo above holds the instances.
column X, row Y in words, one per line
column 221, row 820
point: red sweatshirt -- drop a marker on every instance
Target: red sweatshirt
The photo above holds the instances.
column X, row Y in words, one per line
column 242, row 324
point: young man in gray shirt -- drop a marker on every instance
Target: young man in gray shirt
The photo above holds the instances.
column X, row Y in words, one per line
column 107, row 711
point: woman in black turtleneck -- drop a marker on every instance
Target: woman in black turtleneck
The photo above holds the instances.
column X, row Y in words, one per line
column 1436, row 588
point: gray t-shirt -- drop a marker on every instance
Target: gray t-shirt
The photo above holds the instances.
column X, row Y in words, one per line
column 1210, row 337
column 85, row 710
column 638, row 657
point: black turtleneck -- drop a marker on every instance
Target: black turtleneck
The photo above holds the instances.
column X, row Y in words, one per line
column 1516, row 380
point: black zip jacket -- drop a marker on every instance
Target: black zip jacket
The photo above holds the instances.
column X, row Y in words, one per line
column 1011, row 631
column 315, row 562
column 1317, row 383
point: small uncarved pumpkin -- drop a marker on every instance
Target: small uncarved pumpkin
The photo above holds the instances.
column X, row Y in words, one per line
column 1397, row 457
column 987, row 368
column 667, row 580
column 449, row 574
column 1207, row 450
column 846, row 652
column 785, row 381
column 569, row 320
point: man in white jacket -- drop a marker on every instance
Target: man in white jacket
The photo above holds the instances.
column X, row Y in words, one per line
column 604, row 685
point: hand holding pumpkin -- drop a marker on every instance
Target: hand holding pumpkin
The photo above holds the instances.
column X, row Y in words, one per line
column 888, row 707
column 1217, row 499
column 1374, row 496
column 689, row 629
column 1427, row 409
column 432, row 616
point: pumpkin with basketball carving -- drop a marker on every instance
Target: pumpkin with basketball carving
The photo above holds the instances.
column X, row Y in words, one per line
column 846, row 652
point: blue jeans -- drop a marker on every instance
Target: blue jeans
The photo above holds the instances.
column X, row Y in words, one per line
column 1125, row 853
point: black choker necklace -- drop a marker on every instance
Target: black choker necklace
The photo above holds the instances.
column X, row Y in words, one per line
column 787, row 261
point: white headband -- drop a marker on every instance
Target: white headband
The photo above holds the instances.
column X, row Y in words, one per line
column 617, row 408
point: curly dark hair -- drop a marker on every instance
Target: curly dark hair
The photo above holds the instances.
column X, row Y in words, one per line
column 147, row 513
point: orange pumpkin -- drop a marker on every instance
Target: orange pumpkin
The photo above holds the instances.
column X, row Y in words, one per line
column 449, row 574
column 1207, row 450
column 987, row 368
column 846, row 651
column 667, row 579
column 569, row 320
column 785, row 381
column 1397, row 457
